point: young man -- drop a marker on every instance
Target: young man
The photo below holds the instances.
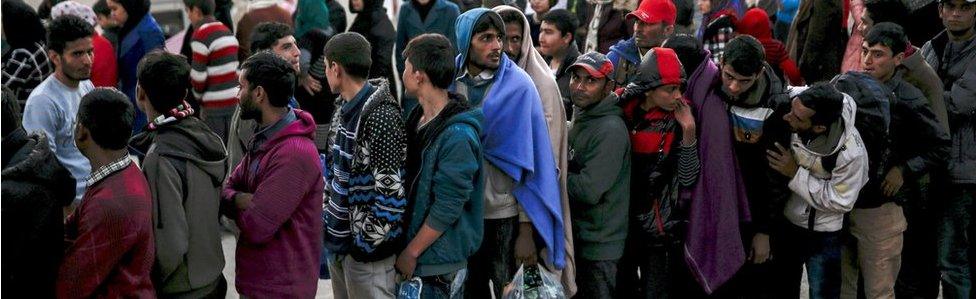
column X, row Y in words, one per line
column 52, row 107
column 518, row 207
column 214, row 62
column 275, row 194
column 539, row 9
column 918, row 144
column 184, row 162
column 952, row 54
column 655, row 22
column 828, row 165
column 599, row 175
column 556, row 44
column 444, row 168
column 111, row 248
column 364, row 215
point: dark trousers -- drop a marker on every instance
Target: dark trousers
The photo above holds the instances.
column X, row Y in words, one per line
column 919, row 275
column 494, row 262
column 596, row 279
column 653, row 270
column 956, row 232
column 818, row 251
column 439, row 286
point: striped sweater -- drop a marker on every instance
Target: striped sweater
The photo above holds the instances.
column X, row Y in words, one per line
column 214, row 74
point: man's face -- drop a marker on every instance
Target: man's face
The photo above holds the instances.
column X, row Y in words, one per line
column 194, row 14
column 540, row 7
column 551, row 40
column 356, row 5
column 665, row 96
column 486, row 49
column 513, row 32
column 958, row 16
column 651, row 35
column 705, row 6
column 411, row 78
column 75, row 62
column 878, row 61
column 286, row 48
column 119, row 15
column 799, row 117
column 586, row 90
column 106, row 22
column 249, row 106
column 735, row 84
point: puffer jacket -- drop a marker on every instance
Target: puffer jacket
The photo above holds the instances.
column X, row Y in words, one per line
column 958, row 73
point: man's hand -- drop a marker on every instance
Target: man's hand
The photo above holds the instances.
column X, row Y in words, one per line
column 892, row 182
column 782, row 161
column 243, row 200
column 760, row 249
column 310, row 84
column 525, row 251
column 406, row 263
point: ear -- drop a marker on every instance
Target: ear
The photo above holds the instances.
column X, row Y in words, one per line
column 54, row 56
column 141, row 97
column 81, row 134
column 819, row 129
column 259, row 94
column 899, row 58
column 669, row 30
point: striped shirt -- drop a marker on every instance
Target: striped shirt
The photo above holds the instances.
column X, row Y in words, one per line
column 214, row 73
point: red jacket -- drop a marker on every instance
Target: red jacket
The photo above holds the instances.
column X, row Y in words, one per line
column 755, row 22
column 105, row 69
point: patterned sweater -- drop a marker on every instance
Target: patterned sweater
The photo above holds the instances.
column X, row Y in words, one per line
column 24, row 69
column 366, row 202
column 214, row 62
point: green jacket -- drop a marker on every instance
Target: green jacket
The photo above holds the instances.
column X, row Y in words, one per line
column 599, row 181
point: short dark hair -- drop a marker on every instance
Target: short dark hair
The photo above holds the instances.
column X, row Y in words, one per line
column 206, row 6
column 745, row 54
column 266, row 34
column 108, row 115
column 101, row 8
column 352, row 51
column 881, row 11
column 512, row 17
column 565, row 21
column 432, row 54
column 825, row 100
column 273, row 73
column 888, row 34
column 65, row 29
column 165, row 79
column 489, row 20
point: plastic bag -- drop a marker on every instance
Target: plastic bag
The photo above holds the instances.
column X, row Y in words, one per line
column 410, row 289
column 534, row 283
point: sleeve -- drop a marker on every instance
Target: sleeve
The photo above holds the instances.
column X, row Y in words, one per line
column 286, row 182
column 199, row 64
column 387, row 144
column 930, row 134
column 401, row 40
column 777, row 190
column 454, row 178
column 689, row 165
column 231, row 186
column 961, row 98
column 601, row 162
column 41, row 115
column 16, row 70
column 382, row 61
column 791, row 72
column 839, row 192
column 96, row 252
column 172, row 233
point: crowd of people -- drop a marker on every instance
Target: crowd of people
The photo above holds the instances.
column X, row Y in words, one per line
column 630, row 149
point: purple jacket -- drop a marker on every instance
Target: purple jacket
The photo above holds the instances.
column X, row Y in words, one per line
column 713, row 244
column 281, row 233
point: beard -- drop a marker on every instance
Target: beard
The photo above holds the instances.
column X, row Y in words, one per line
column 249, row 111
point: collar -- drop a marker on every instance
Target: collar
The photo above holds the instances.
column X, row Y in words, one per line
column 107, row 170
column 269, row 131
column 359, row 98
column 485, row 75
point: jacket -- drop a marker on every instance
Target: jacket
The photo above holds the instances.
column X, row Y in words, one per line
column 817, row 39
column 563, row 75
column 958, row 73
column 914, row 70
column 24, row 69
column 602, row 25
column 185, row 164
column 756, row 23
column 440, row 20
column 105, row 67
column 35, row 188
column 554, row 111
column 144, row 38
column 625, row 58
column 311, row 14
column 373, row 23
column 448, row 191
column 599, row 191
column 852, row 52
column 821, row 195
column 281, row 233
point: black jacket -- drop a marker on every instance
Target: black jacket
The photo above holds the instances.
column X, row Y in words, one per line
column 373, row 24
column 35, row 189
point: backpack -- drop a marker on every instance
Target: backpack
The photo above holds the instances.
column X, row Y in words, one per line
column 873, row 117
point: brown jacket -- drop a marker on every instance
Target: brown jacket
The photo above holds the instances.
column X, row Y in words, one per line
column 918, row 73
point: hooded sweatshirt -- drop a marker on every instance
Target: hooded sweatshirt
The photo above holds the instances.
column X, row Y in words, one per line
column 821, row 194
column 756, row 23
column 185, row 164
column 516, row 141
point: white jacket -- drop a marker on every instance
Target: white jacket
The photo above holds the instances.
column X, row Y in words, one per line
column 828, row 195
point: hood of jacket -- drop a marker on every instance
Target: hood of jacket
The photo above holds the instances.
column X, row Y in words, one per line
column 529, row 54
column 457, row 111
column 189, row 139
column 606, row 107
column 33, row 161
column 465, row 29
column 847, row 116
column 627, row 48
column 660, row 66
column 304, row 126
column 756, row 23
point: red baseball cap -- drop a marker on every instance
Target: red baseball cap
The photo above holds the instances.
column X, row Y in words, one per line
column 654, row 11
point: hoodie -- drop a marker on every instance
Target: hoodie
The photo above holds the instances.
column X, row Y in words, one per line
column 821, row 194
column 756, row 23
column 516, row 141
column 185, row 164
column 552, row 106
column 281, row 233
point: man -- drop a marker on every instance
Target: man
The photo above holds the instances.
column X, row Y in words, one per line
column 52, row 107
column 828, row 165
column 518, row 207
column 444, row 168
column 917, row 145
column 111, row 248
column 275, row 194
column 364, row 215
column 185, row 163
column 258, row 11
column 539, row 9
column 952, row 54
column 599, row 175
column 214, row 62
column 556, row 44
column 524, row 54
column 655, row 22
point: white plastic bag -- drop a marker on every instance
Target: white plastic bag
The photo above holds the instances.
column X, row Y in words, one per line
column 534, row 283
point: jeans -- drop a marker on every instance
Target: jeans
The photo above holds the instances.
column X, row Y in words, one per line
column 955, row 232
column 494, row 262
column 819, row 251
column 596, row 279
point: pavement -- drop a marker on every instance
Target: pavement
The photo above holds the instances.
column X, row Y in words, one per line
column 230, row 248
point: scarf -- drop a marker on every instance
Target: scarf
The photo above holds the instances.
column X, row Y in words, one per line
column 180, row 112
